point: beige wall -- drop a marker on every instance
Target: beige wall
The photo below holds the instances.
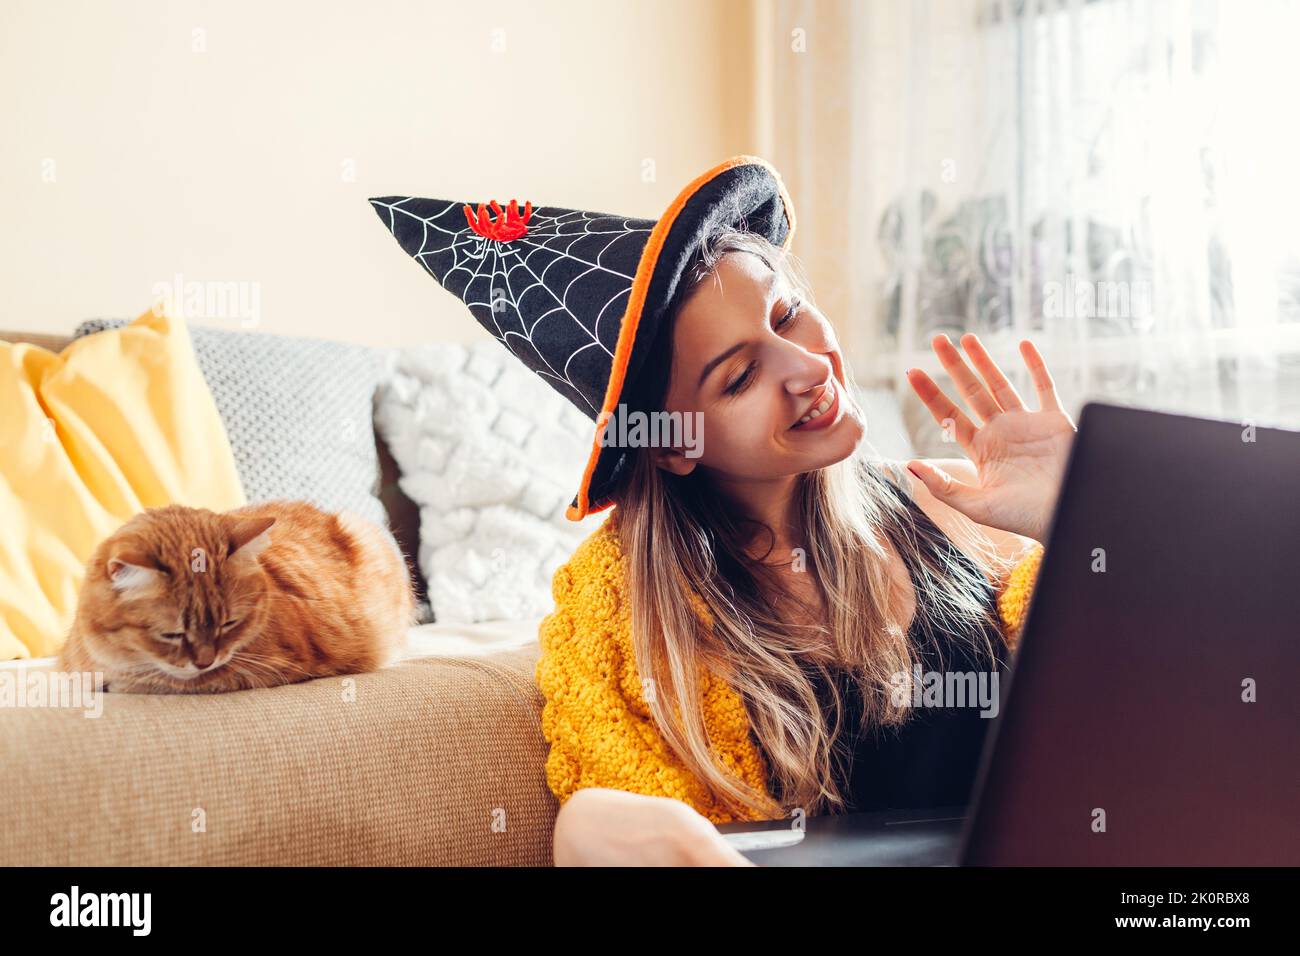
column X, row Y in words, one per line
column 237, row 142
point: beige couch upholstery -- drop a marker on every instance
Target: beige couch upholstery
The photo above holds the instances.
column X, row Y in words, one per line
column 430, row 761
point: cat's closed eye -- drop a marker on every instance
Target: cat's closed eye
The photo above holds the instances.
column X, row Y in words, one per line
column 229, row 625
column 172, row 635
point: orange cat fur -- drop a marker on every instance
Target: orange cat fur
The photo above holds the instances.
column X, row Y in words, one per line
column 186, row 600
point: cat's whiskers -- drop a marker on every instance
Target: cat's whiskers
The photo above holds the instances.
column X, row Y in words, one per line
column 275, row 665
column 257, row 676
column 276, row 672
column 144, row 667
column 245, row 680
column 260, row 674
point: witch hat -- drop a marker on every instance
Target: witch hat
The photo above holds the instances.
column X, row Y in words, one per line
column 578, row 296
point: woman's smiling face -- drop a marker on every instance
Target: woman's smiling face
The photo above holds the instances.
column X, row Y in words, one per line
column 755, row 358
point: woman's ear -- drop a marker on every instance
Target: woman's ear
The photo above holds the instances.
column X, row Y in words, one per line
column 674, row 461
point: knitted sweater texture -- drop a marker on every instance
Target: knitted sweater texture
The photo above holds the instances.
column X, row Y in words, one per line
column 595, row 716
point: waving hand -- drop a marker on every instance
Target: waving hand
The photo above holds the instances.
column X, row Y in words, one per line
column 1019, row 455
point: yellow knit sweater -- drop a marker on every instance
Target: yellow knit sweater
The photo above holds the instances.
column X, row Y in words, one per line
column 595, row 716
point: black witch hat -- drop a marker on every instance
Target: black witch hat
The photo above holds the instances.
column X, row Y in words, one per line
column 578, row 296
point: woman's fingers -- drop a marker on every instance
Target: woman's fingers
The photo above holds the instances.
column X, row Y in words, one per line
column 1042, row 379
column 977, row 396
column 949, row 417
column 943, row 485
column 988, row 398
column 1004, row 392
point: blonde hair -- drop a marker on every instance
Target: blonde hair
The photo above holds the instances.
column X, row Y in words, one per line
column 683, row 538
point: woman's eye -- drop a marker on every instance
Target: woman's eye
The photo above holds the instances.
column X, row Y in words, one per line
column 789, row 316
column 739, row 383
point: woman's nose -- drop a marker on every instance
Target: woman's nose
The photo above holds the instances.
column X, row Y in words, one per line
column 806, row 370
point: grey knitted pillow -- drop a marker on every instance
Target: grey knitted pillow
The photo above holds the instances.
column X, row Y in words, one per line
column 299, row 414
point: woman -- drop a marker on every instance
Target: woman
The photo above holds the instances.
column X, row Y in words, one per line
column 823, row 587
column 750, row 631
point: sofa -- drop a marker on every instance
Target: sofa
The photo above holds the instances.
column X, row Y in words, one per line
column 436, row 760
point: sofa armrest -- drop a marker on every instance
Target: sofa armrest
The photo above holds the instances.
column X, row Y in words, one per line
column 427, row 762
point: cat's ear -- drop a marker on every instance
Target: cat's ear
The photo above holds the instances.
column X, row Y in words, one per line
column 131, row 573
column 249, row 537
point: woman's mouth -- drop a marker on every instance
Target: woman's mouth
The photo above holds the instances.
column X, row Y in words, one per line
column 825, row 414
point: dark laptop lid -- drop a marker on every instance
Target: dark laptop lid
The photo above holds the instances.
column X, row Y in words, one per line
column 1128, row 734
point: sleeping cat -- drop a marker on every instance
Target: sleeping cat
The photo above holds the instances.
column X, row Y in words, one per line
column 187, row 601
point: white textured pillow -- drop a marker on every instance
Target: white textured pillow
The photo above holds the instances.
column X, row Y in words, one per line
column 492, row 455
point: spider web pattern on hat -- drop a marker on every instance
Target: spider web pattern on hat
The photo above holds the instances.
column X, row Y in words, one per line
column 554, row 296
column 580, row 297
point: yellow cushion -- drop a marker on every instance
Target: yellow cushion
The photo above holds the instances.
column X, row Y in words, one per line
column 116, row 423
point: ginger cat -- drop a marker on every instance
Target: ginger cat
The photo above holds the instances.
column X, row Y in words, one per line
column 188, row 601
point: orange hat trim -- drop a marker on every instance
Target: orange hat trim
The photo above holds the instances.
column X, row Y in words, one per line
column 640, row 288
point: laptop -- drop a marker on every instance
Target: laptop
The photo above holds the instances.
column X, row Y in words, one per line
column 1152, row 715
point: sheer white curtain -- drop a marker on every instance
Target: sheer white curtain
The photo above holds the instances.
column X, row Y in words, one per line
column 1114, row 179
